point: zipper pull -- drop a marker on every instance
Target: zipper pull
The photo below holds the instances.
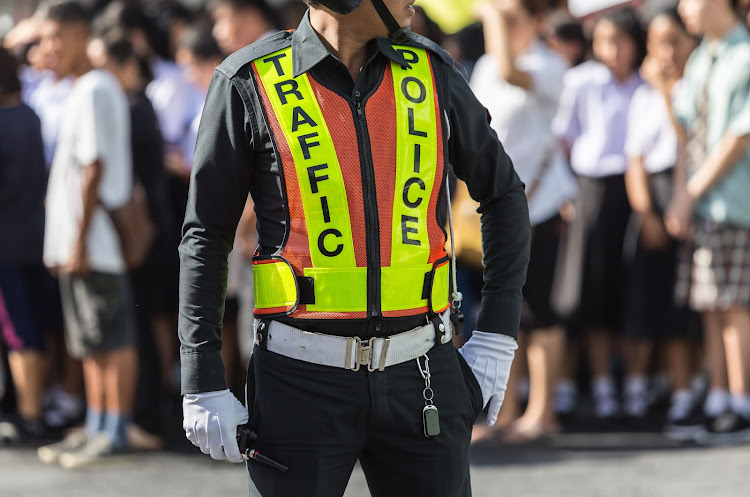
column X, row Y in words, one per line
column 359, row 109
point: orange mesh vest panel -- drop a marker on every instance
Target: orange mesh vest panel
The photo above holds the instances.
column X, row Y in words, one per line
column 351, row 170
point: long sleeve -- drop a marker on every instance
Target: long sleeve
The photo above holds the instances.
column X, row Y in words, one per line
column 219, row 187
column 479, row 159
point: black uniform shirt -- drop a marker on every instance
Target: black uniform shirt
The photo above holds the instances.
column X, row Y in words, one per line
column 234, row 155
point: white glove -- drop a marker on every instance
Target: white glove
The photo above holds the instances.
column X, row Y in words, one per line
column 489, row 355
column 210, row 421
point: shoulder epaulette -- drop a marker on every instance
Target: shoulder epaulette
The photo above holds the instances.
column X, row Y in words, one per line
column 242, row 57
column 416, row 40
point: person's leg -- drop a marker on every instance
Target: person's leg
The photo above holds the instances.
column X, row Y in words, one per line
column 120, row 368
column 566, row 390
column 679, row 363
column 106, row 334
column 93, row 379
column 545, row 351
column 26, row 357
column 717, row 401
column 165, row 339
column 600, row 342
column 736, row 335
column 399, row 460
column 678, row 359
column 637, row 354
column 311, row 418
column 28, row 368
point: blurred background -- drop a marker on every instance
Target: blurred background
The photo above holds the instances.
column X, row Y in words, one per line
column 625, row 382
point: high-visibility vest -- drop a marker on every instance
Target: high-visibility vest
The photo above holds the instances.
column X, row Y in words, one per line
column 361, row 184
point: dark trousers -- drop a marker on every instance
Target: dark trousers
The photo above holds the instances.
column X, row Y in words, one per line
column 320, row 420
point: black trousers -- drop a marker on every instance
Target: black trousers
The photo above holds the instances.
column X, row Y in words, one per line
column 320, row 420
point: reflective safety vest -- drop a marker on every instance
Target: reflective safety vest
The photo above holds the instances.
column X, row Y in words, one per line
column 361, row 184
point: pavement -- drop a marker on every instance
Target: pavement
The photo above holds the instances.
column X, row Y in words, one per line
column 575, row 465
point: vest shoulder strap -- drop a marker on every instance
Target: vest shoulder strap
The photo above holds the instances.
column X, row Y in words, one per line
column 232, row 64
column 419, row 41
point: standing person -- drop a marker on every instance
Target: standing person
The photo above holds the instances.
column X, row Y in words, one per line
column 712, row 206
column 519, row 81
column 91, row 173
column 591, row 124
column 564, row 35
column 24, row 281
column 149, row 280
column 651, row 146
column 175, row 102
column 239, row 23
column 343, row 137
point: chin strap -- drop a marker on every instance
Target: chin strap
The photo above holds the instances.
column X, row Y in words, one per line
column 396, row 32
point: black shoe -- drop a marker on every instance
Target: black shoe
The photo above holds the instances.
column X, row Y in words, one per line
column 728, row 429
column 690, row 427
column 17, row 430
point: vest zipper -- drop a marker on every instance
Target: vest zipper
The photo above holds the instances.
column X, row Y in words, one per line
column 372, row 224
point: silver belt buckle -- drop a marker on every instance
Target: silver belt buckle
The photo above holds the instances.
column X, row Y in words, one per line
column 363, row 353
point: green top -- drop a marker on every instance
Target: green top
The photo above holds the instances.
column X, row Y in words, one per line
column 728, row 112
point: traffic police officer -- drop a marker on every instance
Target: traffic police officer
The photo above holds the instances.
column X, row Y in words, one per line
column 343, row 132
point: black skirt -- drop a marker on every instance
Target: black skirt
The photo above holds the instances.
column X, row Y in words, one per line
column 537, row 310
column 588, row 287
column 650, row 309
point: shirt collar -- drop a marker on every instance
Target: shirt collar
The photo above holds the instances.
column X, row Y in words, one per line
column 308, row 50
column 737, row 34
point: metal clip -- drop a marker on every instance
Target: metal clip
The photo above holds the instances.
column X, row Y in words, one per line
column 363, row 354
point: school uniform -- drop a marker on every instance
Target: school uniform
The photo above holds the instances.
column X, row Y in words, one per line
column 591, row 121
column 650, row 308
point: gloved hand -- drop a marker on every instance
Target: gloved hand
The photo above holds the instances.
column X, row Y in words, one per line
column 489, row 355
column 210, row 422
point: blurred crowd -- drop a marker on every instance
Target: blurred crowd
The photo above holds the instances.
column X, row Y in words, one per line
column 628, row 126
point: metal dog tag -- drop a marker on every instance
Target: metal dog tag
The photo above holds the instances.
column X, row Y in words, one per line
column 431, row 421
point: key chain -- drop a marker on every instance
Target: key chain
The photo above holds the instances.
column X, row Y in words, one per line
column 456, row 316
column 430, row 418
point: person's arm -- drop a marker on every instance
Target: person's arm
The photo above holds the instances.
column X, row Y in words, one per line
column 718, row 164
column 734, row 142
column 92, row 175
column 653, row 236
column 566, row 125
column 219, row 187
column 497, row 45
column 653, row 233
column 636, row 184
column 479, row 159
column 678, row 217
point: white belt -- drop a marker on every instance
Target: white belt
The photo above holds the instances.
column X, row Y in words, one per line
column 351, row 352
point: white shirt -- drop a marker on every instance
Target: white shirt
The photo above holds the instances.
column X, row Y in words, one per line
column 522, row 120
column 592, row 118
column 175, row 100
column 651, row 134
column 48, row 101
column 30, row 80
column 96, row 127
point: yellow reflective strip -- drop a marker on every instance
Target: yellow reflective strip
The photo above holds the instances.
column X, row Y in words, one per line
column 416, row 160
column 275, row 285
column 339, row 289
column 321, row 182
column 403, row 286
column 440, row 288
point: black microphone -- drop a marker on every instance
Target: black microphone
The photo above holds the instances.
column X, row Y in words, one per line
column 245, row 437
